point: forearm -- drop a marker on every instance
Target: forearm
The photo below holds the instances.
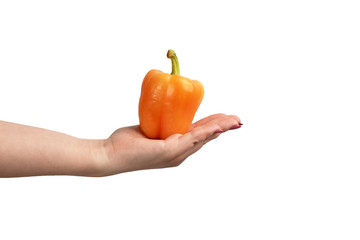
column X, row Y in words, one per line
column 30, row 151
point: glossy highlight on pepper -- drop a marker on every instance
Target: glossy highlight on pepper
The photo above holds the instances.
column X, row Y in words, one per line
column 168, row 102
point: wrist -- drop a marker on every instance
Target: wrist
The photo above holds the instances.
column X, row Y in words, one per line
column 99, row 156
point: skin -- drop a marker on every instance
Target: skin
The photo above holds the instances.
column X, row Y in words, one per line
column 31, row 151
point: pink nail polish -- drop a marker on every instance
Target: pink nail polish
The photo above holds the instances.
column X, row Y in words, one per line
column 219, row 131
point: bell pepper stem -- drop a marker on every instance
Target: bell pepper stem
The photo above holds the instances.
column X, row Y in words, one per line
column 174, row 62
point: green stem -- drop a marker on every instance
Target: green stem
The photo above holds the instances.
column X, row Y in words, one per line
column 174, row 62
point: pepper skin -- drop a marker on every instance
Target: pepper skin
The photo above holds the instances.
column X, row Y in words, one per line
column 168, row 102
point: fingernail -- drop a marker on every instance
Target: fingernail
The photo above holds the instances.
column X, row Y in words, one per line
column 219, row 131
column 236, row 126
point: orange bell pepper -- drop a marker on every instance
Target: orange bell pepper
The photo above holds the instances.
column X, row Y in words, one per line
column 168, row 102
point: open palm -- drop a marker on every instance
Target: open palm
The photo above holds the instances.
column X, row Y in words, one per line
column 131, row 150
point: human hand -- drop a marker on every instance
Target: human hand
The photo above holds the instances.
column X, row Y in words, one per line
column 129, row 150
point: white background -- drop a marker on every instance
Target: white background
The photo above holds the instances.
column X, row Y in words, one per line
column 288, row 69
